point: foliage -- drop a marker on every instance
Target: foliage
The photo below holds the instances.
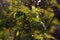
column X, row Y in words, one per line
column 26, row 24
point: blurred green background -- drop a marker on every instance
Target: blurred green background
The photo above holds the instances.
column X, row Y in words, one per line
column 29, row 20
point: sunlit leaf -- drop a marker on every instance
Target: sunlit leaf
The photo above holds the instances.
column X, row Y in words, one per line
column 17, row 33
